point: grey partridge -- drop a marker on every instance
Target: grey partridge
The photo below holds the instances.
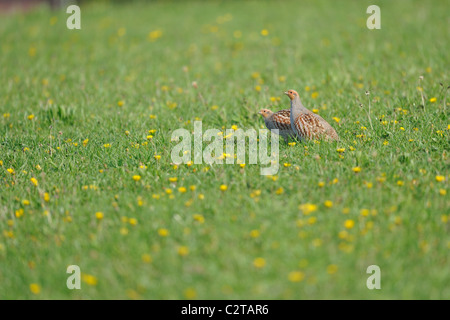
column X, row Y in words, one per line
column 278, row 120
column 306, row 124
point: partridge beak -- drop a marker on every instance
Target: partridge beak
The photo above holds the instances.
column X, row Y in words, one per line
column 259, row 112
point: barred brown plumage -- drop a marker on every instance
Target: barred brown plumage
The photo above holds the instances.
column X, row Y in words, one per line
column 280, row 120
column 306, row 124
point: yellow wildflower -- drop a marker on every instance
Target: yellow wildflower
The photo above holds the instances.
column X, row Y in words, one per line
column 349, row 223
column 259, row 262
column 89, row 279
column 254, row 233
column 307, row 208
column 146, row 258
column 328, row 203
column 332, row 268
column 183, row 251
column 296, row 276
column 163, row 232
column 35, row 288
column 34, row 182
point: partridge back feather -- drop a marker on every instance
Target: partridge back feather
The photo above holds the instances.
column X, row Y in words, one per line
column 313, row 126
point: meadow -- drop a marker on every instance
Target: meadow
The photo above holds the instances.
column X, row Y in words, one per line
column 86, row 176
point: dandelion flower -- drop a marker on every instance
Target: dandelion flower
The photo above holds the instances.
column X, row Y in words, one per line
column 199, row 218
column 183, row 251
column 356, row 169
column 136, row 178
column 440, row 178
column 296, row 276
column 259, row 262
column 89, row 279
column 364, row 212
column 328, row 203
column 163, row 232
column 19, row 213
column 332, row 269
column 307, row 208
column 35, row 288
column 254, row 233
column 34, row 182
column 349, row 223
column 223, row 187
column 146, row 258
column 190, row 294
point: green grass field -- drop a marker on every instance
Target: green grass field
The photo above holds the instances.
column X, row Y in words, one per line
column 84, row 112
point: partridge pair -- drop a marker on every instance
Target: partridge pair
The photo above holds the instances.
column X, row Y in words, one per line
column 298, row 121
